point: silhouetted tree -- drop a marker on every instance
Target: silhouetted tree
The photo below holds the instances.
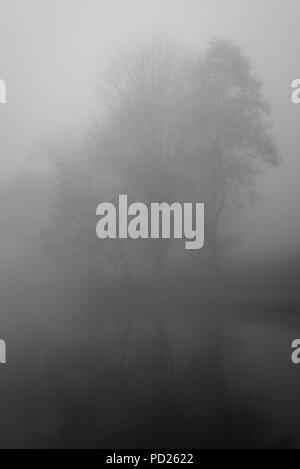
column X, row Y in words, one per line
column 71, row 235
column 230, row 131
column 144, row 90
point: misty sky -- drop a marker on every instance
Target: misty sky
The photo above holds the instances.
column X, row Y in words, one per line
column 52, row 50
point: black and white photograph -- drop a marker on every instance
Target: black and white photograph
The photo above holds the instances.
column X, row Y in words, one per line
column 150, row 227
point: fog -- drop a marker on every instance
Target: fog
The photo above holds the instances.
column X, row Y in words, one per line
column 54, row 56
column 51, row 54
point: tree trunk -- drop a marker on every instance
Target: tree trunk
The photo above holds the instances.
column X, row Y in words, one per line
column 215, row 247
column 159, row 256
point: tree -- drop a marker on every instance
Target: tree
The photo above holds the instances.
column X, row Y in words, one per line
column 139, row 142
column 70, row 235
column 230, row 131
